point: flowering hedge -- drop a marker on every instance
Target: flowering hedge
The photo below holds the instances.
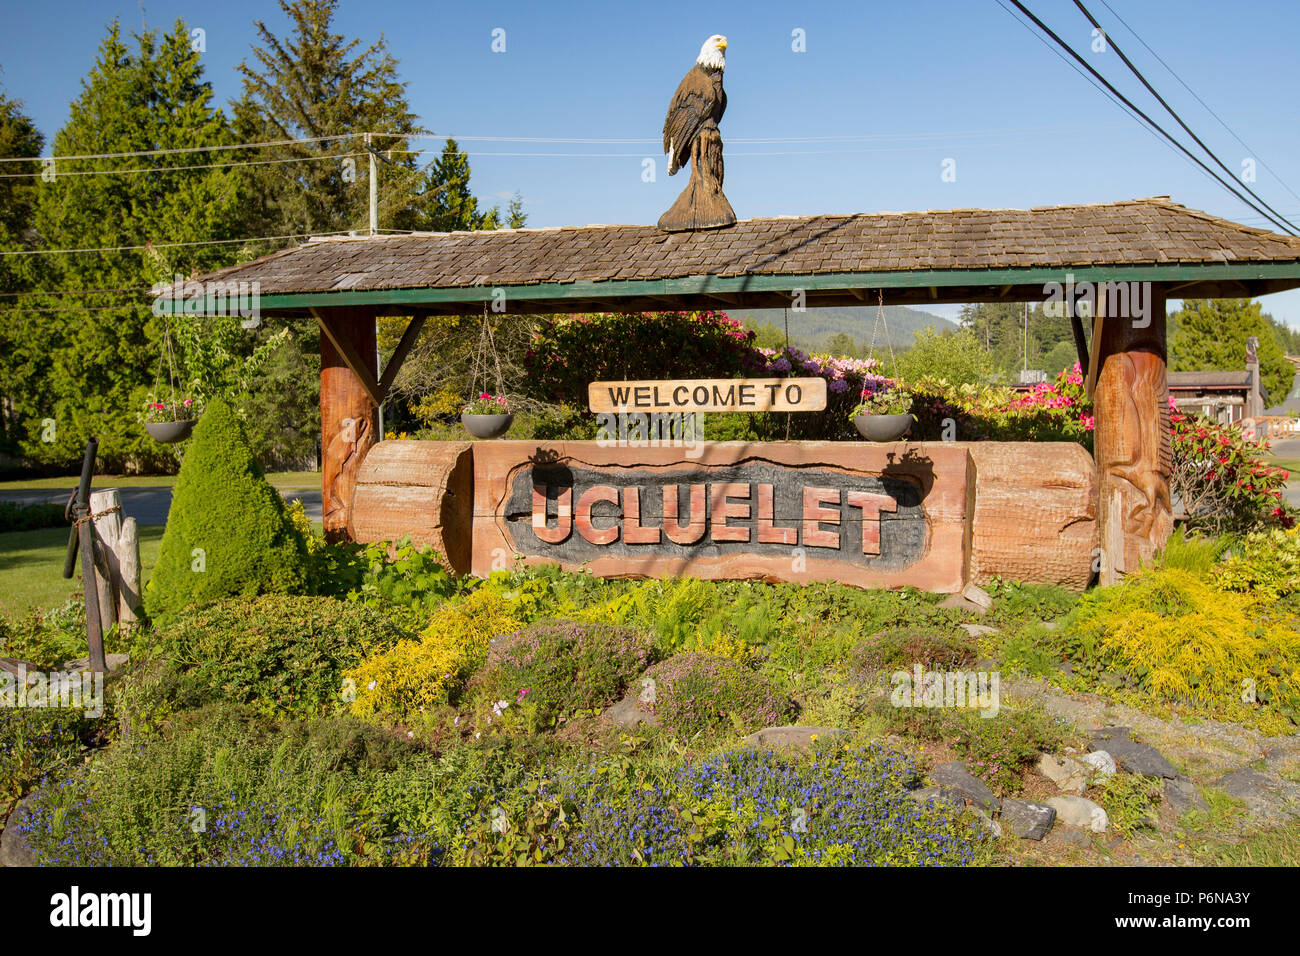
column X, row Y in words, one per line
column 1050, row 411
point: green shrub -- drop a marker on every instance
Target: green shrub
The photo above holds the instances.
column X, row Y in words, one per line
column 999, row 749
column 700, row 694
column 228, row 788
column 227, row 534
column 47, row 638
column 1265, row 564
column 16, row 516
column 36, row 742
column 280, row 654
column 899, row 648
column 557, row 668
column 1130, row 801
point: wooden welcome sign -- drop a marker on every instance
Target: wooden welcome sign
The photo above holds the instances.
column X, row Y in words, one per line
column 710, row 395
column 931, row 515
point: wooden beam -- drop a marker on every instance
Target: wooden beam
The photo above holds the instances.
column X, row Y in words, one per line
column 1080, row 342
column 1090, row 382
column 356, row 364
column 399, row 354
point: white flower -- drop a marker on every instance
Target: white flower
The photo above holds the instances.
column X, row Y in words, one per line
column 456, row 722
column 500, row 707
column 371, row 685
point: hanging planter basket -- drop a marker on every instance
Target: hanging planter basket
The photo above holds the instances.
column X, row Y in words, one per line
column 487, row 426
column 882, row 427
column 169, row 433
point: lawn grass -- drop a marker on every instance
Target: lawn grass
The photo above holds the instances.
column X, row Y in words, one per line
column 281, row 479
column 31, row 566
column 1290, row 464
column 1278, row 846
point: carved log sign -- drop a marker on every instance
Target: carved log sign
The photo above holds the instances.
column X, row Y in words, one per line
column 933, row 516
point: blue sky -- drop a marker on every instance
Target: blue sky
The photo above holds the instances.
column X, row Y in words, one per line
column 883, row 94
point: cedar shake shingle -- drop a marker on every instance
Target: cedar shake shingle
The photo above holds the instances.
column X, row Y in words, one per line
column 1133, row 232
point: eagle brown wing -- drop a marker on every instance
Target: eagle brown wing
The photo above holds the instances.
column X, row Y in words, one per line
column 695, row 102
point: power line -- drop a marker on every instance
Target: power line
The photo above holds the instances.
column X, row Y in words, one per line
column 177, row 169
column 1132, row 106
column 1207, row 107
column 181, row 149
column 1187, row 129
column 171, row 245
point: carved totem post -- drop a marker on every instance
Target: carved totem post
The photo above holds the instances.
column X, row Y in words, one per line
column 348, row 410
column 1132, row 442
column 702, row 204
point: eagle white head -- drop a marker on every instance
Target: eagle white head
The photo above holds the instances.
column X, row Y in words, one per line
column 713, row 55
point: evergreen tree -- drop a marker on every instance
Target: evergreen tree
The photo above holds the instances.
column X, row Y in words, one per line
column 317, row 84
column 102, row 361
column 1212, row 333
column 446, row 203
column 22, row 359
column 228, row 532
column 516, row 218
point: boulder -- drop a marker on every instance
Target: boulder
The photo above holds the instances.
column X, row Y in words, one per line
column 1066, row 773
column 1102, row 764
column 778, row 738
column 1183, row 795
column 628, row 713
column 1029, row 821
column 1129, row 755
column 937, row 795
column 954, row 776
column 14, row 850
column 1079, row 812
column 1266, row 796
column 986, row 822
column 978, row 630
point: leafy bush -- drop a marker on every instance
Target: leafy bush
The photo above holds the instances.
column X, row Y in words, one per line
column 1223, row 481
column 15, row 516
column 561, row 667
column 280, row 654
column 48, row 638
column 228, row 789
column 227, row 531
column 1130, row 801
column 415, row 675
column 700, row 694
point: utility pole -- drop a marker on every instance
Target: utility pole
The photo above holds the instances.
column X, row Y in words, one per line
column 1026, row 336
column 374, row 188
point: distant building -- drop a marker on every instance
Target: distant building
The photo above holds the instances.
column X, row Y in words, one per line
column 1223, row 397
column 1290, row 406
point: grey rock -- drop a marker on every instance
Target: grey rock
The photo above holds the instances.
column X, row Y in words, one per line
column 955, row 602
column 990, row 826
column 1183, row 795
column 1080, row 812
column 1065, row 667
column 977, row 596
column 1102, row 764
column 115, row 662
column 628, row 713
column 1066, row 773
column 14, row 850
column 1142, row 759
column 954, row 776
column 937, row 795
column 1029, row 821
column 1072, row 837
column 978, row 630
column 1266, row 796
column 1049, row 625
column 777, row 738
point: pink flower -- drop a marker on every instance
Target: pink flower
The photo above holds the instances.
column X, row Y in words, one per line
column 484, row 395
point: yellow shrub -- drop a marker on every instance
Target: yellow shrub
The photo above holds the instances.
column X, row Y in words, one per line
column 1190, row 641
column 720, row 644
column 415, row 675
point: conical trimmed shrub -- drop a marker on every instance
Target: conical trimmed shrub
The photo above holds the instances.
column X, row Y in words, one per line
column 228, row 533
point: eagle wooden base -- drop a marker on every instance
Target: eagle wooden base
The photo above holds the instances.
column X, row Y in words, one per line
column 936, row 516
column 702, row 204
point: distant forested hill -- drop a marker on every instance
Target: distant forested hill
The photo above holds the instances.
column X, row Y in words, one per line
column 816, row 328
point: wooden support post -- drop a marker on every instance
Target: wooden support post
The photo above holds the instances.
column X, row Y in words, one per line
column 106, row 507
column 1132, row 442
column 130, row 605
column 349, row 409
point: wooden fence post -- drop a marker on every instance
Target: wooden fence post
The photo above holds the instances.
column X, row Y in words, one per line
column 128, row 560
column 106, row 507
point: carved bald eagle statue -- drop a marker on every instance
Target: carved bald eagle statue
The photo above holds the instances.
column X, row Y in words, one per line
column 691, row 135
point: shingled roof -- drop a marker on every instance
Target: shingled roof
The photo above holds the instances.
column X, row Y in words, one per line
column 1132, row 233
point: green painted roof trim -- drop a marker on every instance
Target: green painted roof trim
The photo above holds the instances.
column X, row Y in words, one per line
column 633, row 288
